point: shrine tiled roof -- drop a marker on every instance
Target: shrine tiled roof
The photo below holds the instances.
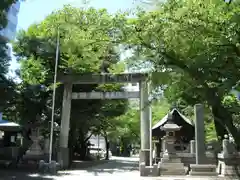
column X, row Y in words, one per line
column 165, row 119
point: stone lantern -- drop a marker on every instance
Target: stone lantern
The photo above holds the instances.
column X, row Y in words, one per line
column 170, row 128
column 170, row 163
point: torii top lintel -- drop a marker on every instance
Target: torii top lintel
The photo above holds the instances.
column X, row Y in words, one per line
column 102, row 78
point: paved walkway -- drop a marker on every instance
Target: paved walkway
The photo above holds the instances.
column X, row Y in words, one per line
column 118, row 168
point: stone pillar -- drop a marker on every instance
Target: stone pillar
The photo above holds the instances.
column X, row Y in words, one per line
column 63, row 156
column 163, row 148
column 192, row 147
column 145, row 122
column 201, row 168
column 199, row 134
column 158, row 150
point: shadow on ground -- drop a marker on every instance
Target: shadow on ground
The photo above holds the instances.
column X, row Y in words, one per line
column 24, row 174
column 114, row 166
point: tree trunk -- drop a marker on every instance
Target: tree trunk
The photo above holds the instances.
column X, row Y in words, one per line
column 222, row 115
column 219, row 127
column 83, row 150
column 83, row 141
column 234, row 132
column 107, row 146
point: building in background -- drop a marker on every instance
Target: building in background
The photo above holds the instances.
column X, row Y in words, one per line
column 236, row 93
column 9, row 32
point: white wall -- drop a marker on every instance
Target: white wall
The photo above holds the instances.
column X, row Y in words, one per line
column 94, row 140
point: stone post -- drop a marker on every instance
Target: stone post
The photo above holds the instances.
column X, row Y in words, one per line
column 163, row 148
column 228, row 160
column 201, row 168
column 225, row 145
column 199, row 134
column 192, row 147
column 145, row 123
column 63, row 156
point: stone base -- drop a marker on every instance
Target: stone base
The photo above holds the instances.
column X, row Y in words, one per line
column 170, row 159
column 50, row 168
column 203, row 170
column 152, row 171
column 144, row 156
column 171, row 165
column 63, row 157
column 171, row 169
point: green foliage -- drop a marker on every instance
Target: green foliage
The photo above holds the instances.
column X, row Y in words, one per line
column 87, row 38
column 159, row 109
column 128, row 124
column 31, row 69
column 88, row 44
column 4, row 7
column 6, row 85
column 194, row 44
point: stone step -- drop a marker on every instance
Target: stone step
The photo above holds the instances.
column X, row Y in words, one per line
column 195, row 173
column 178, row 160
column 172, row 173
column 203, row 168
column 175, row 169
column 171, row 165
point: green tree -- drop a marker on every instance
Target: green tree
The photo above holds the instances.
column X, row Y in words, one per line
column 194, row 47
column 6, row 85
column 129, row 122
column 88, row 44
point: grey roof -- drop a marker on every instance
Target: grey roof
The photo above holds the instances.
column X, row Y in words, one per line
column 164, row 119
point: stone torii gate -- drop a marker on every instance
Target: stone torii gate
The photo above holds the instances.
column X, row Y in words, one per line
column 69, row 79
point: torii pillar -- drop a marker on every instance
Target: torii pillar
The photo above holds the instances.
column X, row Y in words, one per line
column 63, row 155
column 144, row 123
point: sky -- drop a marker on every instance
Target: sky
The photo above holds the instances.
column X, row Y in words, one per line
column 35, row 10
column 32, row 11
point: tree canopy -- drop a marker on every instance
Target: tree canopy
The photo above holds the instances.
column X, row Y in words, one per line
column 193, row 47
column 88, row 44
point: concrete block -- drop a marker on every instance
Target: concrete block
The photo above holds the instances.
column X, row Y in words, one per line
column 53, row 167
column 155, row 171
column 49, row 168
column 203, row 170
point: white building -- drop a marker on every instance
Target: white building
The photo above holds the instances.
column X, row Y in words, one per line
column 9, row 32
column 98, row 141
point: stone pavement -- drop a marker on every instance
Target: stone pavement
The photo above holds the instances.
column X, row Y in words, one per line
column 118, row 168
